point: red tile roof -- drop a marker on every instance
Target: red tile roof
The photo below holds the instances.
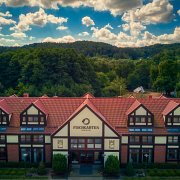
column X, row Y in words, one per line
column 113, row 110
column 4, row 106
column 134, row 106
column 170, row 106
column 38, row 103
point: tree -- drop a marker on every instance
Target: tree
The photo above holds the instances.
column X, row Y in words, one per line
column 167, row 76
column 59, row 163
column 112, row 166
column 118, row 86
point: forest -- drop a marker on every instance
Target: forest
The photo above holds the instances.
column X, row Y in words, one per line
column 76, row 68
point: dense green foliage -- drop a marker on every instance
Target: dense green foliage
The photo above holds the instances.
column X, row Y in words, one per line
column 59, row 164
column 112, row 167
column 53, row 69
column 91, row 49
column 130, row 170
column 41, row 169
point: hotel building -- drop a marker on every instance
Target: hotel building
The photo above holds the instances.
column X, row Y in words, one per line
column 89, row 129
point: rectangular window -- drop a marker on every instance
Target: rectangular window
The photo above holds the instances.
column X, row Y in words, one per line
column 172, row 154
column 38, row 154
column 173, row 139
column 2, row 139
column 26, row 154
column 134, row 139
column 134, row 155
column 176, row 119
column 25, row 138
column 147, row 139
column 2, row 154
column 90, row 143
column 38, row 138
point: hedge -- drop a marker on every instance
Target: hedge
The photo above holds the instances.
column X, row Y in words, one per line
column 155, row 166
column 21, row 165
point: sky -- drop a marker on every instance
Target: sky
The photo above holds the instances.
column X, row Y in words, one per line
column 122, row 23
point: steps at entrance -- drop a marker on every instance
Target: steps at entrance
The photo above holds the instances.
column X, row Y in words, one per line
column 86, row 169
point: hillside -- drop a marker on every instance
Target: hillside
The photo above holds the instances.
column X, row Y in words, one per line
column 89, row 48
column 80, row 67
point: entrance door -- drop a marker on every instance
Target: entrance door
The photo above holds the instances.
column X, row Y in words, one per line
column 86, row 157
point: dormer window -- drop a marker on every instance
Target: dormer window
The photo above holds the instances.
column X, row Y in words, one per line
column 171, row 114
column 4, row 118
column 5, row 113
column 139, row 115
column 34, row 115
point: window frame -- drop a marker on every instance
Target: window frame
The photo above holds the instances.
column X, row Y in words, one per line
column 5, row 157
column 31, row 149
column 24, row 118
column 171, row 116
column 3, row 142
column 85, row 144
column 132, row 118
column 2, row 115
column 141, row 142
column 31, row 139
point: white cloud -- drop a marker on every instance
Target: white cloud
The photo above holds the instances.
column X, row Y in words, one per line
column 39, row 18
column 108, row 26
column 103, row 34
column 6, row 14
column 19, row 35
column 83, row 34
column 87, row 21
column 125, row 27
column 16, row 45
column 61, row 28
column 178, row 12
column 158, row 11
column 4, row 40
column 65, row 39
column 116, row 7
column 4, row 21
column 148, row 39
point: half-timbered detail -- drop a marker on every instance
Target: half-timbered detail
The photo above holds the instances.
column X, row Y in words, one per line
column 5, row 113
column 172, row 114
column 139, row 115
column 88, row 129
column 35, row 114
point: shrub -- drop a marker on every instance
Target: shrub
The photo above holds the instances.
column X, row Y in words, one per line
column 112, row 166
column 41, row 169
column 130, row 170
column 59, row 164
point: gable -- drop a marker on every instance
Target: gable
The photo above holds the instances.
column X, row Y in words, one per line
column 62, row 132
column 32, row 110
column 86, row 123
column 141, row 111
column 108, row 132
column 177, row 111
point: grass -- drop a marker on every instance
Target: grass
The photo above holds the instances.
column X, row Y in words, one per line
column 163, row 172
column 151, row 178
column 14, row 173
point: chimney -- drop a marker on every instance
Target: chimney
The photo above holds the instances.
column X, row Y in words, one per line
column 150, row 97
column 26, row 95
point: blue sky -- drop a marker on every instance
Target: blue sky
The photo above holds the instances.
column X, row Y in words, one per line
column 123, row 23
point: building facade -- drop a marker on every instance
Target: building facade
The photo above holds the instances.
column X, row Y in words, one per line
column 89, row 129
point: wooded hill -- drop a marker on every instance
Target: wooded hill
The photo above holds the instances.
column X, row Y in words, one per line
column 89, row 48
column 99, row 68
